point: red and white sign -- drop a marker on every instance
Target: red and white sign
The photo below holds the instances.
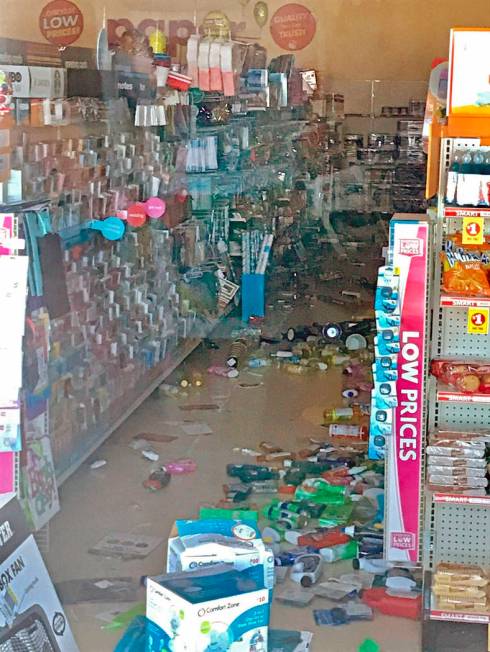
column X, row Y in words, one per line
column 293, row 27
column 409, row 246
column 61, row 22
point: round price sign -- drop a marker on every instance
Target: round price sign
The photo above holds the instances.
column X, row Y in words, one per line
column 61, row 22
column 478, row 319
column 293, row 27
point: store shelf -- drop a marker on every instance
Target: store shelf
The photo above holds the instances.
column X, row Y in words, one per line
column 455, row 301
column 456, row 499
column 453, row 396
column 466, row 211
column 460, row 617
column 124, row 407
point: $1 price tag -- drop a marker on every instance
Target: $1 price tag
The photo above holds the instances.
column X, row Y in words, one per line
column 478, row 321
column 473, row 230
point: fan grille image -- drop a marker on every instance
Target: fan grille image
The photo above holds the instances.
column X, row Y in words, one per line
column 30, row 633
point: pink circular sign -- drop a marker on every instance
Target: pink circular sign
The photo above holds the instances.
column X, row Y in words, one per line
column 155, row 207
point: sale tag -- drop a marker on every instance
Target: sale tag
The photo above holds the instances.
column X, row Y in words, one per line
column 478, row 321
column 473, row 230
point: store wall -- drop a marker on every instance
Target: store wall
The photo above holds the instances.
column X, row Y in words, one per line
column 355, row 39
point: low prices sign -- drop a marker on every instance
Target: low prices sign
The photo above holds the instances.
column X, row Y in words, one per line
column 61, row 22
column 409, row 242
column 293, row 27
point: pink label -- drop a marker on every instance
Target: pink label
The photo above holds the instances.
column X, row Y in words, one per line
column 6, row 232
column 403, row 540
column 7, row 473
column 155, row 207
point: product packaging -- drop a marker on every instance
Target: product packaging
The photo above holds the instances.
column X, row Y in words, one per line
column 213, row 609
column 210, row 542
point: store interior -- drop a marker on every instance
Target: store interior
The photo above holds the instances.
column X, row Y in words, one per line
column 245, row 359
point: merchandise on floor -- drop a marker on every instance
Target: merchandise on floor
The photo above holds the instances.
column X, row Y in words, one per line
column 247, row 341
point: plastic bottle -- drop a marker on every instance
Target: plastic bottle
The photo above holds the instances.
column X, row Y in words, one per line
column 464, row 180
column 376, row 566
column 296, row 370
column 342, row 415
column 257, row 363
column 342, row 551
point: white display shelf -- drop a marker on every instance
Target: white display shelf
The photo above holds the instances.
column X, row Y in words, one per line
column 455, row 301
column 453, row 396
column 457, row 499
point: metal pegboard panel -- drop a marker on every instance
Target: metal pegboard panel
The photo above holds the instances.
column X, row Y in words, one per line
column 464, row 417
column 455, row 341
column 461, row 534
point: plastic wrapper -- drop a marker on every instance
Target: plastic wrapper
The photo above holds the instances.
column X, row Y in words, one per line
column 468, row 278
column 457, row 473
column 458, row 592
column 451, row 480
column 454, row 436
column 459, row 604
column 458, row 462
column 457, row 490
column 465, row 377
column 458, row 452
column 461, row 575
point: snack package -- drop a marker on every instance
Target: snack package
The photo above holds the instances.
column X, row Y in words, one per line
column 457, row 473
column 456, row 451
column 465, row 377
column 468, row 278
column 448, row 480
column 479, row 463
column 449, row 435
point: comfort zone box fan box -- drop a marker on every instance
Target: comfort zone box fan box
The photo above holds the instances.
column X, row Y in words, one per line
column 214, row 610
column 31, row 616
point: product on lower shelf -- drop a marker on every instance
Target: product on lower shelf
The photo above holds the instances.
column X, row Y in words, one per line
column 458, row 587
column 456, row 462
column 468, row 377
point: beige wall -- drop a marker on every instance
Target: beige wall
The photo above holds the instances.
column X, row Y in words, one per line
column 356, row 39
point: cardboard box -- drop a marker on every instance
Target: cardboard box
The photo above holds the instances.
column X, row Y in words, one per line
column 209, row 542
column 215, row 609
column 31, row 616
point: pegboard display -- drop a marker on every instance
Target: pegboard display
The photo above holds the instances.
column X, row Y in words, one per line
column 454, row 341
column 459, row 531
column 461, row 534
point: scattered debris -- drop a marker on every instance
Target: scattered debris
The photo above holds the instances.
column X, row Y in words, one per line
column 126, row 546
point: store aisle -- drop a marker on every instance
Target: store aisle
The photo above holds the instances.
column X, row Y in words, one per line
column 276, row 407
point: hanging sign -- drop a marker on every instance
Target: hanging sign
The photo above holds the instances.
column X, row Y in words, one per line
column 478, row 321
column 61, row 22
column 409, row 246
column 473, row 230
column 293, row 27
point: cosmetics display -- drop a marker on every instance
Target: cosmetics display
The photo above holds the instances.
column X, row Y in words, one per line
column 386, row 171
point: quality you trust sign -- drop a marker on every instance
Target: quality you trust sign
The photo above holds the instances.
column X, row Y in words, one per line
column 61, row 22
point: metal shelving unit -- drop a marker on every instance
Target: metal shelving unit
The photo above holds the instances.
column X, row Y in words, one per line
column 457, row 526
